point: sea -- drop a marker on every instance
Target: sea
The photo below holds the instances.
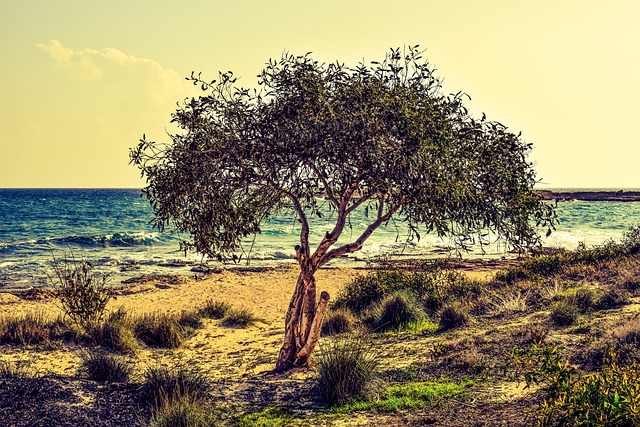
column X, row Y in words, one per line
column 112, row 229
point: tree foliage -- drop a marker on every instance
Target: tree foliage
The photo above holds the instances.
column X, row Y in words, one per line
column 382, row 136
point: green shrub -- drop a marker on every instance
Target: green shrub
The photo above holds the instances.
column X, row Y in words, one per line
column 214, row 309
column 583, row 298
column 338, row 322
column 432, row 289
column 608, row 397
column 100, row 366
column 162, row 383
column 347, row 369
column 83, row 294
column 25, row 329
column 366, row 291
column 241, row 318
column 453, row 316
column 397, row 311
column 564, row 314
column 115, row 332
column 159, row 330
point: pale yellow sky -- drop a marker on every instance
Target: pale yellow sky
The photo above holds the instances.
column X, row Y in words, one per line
column 81, row 81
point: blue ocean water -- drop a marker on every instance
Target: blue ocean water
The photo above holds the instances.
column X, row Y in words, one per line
column 112, row 229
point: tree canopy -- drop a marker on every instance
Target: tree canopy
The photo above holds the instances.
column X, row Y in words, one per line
column 382, row 135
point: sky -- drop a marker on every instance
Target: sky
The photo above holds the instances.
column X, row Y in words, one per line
column 81, row 81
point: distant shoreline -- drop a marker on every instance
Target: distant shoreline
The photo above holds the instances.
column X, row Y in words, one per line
column 591, row 196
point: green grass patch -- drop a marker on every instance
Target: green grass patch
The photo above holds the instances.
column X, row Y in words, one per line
column 269, row 417
column 412, row 395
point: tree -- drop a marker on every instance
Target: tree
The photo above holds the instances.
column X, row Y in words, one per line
column 382, row 136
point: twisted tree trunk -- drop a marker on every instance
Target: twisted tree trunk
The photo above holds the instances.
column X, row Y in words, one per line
column 303, row 323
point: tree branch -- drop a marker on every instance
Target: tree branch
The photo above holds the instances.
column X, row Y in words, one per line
column 357, row 245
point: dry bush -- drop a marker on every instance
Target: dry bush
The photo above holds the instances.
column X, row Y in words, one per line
column 25, row 329
column 347, row 369
column 214, row 309
column 82, row 293
column 115, row 332
column 509, row 304
column 338, row 321
column 628, row 333
column 397, row 311
column 104, row 367
column 159, row 330
column 240, row 318
column 453, row 316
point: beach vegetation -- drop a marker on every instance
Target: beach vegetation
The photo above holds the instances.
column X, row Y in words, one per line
column 564, row 313
column 339, row 321
column 168, row 383
column 183, row 410
column 159, row 330
column 398, row 311
column 105, row 367
column 190, row 319
column 268, row 417
column 32, row 327
column 239, row 318
column 318, row 139
column 609, row 396
column 83, row 293
column 213, row 309
column 115, row 332
column 452, row 316
column 347, row 369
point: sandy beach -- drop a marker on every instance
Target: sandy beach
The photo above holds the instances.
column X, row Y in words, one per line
column 221, row 352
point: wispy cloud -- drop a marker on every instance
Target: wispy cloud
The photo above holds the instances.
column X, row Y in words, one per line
column 115, row 68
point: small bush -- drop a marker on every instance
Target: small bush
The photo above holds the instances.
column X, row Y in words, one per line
column 533, row 333
column 26, row 329
column 583, row 298
column 366, row 291
column 83, row 294
column 397, row 311
column 115, row 333
column 346, row 370
column 214, row 309
column 338, row 322
column 191, row 319
column 161, row 382
column 608, row 397
column 564, row 313
column 508, row 304
column 183, row 411
column 159, row 330
column 612, row 298
column 101, row 366
column 453, row 316
column 241, row 318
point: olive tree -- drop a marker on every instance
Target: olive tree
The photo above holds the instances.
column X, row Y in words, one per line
column 381, row 136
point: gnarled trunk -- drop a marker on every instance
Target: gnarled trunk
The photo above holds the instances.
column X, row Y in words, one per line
column 303, row 322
